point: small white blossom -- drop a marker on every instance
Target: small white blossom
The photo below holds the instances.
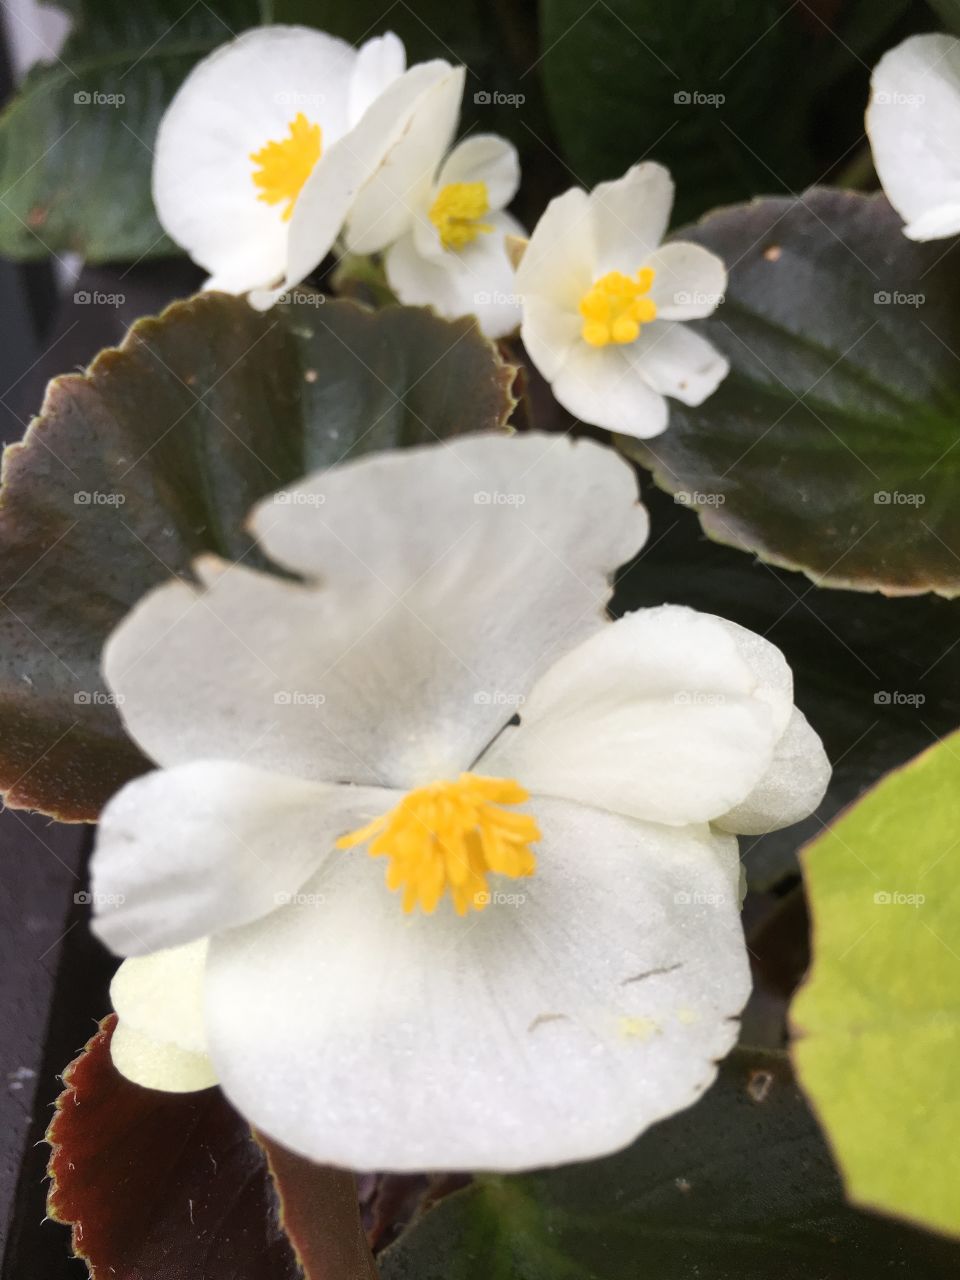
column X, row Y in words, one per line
column 604, row 304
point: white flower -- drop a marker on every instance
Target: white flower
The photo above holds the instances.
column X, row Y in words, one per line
column 913, row 122
column 441, row 220
column 537, row 977
column 267, row 142
column 604, row 304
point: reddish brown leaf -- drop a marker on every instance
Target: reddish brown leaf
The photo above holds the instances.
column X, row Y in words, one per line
column 161, row 1186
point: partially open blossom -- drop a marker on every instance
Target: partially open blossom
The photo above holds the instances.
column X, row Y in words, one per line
column 436, row 868
column 243, row 146
column 442, row 222
column 913, row 122
column 605, row 304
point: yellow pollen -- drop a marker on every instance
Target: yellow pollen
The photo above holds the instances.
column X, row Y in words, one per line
column 451, row 835
column 615, row 306
column 457, row 211
column 283, row 167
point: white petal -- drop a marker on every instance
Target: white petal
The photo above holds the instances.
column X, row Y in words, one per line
column 774, row 679
column 689, row 281
column 550, row 334
column 656, row 716
column 559, row 262
column 540, row 1031
column 934, row 224
column 369, row 149
column 159, row 1001
column 242, row 96
column 630, row 217
column 486, row 158
column 602, row 386
column 676, row 361
column 185, row 852
column 379, row 62
column 399, row 188
column 476, row 280
column 452, row 576
column 791, row 788
column 154, row 1064
column 913, row 121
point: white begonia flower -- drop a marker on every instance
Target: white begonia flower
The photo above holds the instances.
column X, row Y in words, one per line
column 604, row 304
column 451, row 251
column 913, row 122
column 267, row 142
column 550, row 912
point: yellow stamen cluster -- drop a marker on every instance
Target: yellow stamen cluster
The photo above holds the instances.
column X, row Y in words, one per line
column 615, row 306
column 457, row 211
column 283, row 167
column 450, row 835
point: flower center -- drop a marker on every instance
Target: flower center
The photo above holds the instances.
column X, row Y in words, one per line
column 615, row 306
column 456, row 213
column 283, row 167
column 450, row 835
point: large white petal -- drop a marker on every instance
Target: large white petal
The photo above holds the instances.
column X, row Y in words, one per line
column 451, row 577
column 553, row 1026
column 606, row 387
column 371, row 148
column 161, row 1041
column 380, row 62
column 676, row 361
column 689, row 282
column 791, row 788
column 242, row 96
column 913, row 121
column 398, row 189
column 476, row 280
column 656, row 716
column 189, row 851
column 559, row 262
column 630, row 217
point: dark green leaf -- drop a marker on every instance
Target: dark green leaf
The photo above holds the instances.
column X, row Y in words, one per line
column 76, row 141
column 157, row 454
column 740, row 1187
column 948, row 12
column 834, row 444
column 691, row 85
